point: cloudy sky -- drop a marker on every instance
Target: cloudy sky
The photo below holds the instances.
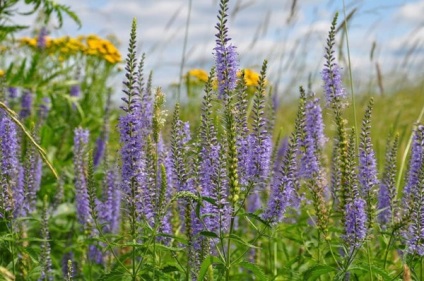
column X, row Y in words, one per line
column 290, row 34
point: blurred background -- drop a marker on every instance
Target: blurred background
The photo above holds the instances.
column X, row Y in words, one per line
column 386, row 38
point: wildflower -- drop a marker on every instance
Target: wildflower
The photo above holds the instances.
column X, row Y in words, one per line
column 331, row 73
column 109, row 210
column 10, row 175
column 198, row 74
column 284, row 190
column 13, row 92
column 26, row 104
column 260, row 143
column 135, row 184
column 44, row 108
column 367, row 163
column 33, row 173
column 251, row 77
column 413, row 197
column 95, row 254
column 355, row 223
column 387, row 191
column 41, row 40
column 75, row 90
column 415, row 162
column 212, row 168
column 225, row 55
column 314, row 139
column 68, row 266
column 81, row 181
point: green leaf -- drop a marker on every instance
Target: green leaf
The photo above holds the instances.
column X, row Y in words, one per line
column 167, row 248
column 258, row 218
column 209, row 234
column 116, row 275
column 241, row 241
column 71, row 14
column 316, row 271
column 32, row 69
column 170, row 268
column 375, row 269
column 207, row 262
column 209, row 200
column 257, row 271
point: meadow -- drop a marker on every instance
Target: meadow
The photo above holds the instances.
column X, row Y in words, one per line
column 223, row 183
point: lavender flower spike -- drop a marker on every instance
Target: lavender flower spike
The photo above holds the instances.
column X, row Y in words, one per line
column 314, row 139
column 355, row 224
column 26, row 104
column 13, row 92
column 367, row 163
column 80, row 167
column 417, row 157
column 225, row 55
column 284, row 191
column 75, row 90
column 331, row 74
column 41, row 40
column 10, row 168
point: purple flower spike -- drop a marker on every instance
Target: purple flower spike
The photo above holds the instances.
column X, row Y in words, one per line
column 13, row 92
column 226, row 68
column 331, row 74
column 314, row 139
column 41, row 40
column 26, row 105
column 384, row 205
column 80, row 167
column 417, row 157
column 10, row 167
column 367, row 163
column 387, row 193
column 284, row 191
column 333, row 85
column 109, row 211
column 225, row 55
column 100, row 149
column 44, row 108
column 355, row 224
column 75, row 90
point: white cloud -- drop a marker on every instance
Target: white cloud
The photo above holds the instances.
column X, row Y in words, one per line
column 412, row 12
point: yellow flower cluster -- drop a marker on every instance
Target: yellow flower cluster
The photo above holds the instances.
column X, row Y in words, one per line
column 1, row 72
column 251, row 77
column 198, row 74
column 66, row 46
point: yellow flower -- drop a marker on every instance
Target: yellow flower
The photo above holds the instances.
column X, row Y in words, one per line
column 251, row 77
column 199, row 74
column 2, row 72
column 32, row 42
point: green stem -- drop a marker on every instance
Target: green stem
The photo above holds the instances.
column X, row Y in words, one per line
column 228, row 260
column 275, row 255
column 332, row 253
column 369, row 261
column 12, row 249
column 387, row 249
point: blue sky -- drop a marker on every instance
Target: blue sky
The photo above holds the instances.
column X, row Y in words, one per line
column 264, row 29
